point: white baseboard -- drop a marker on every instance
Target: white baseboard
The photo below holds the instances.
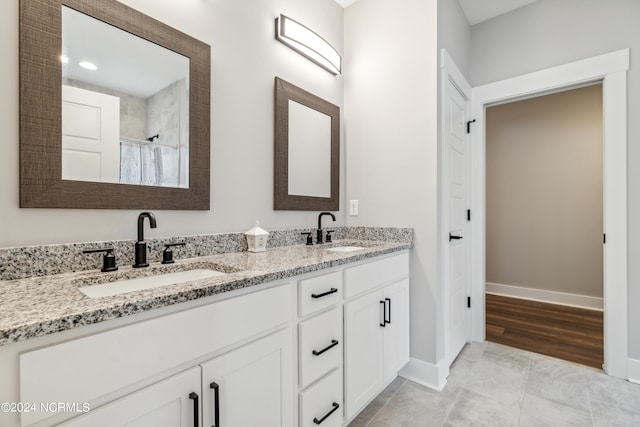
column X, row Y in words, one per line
column 575, row 300
column 426, row 374
column 634, row 371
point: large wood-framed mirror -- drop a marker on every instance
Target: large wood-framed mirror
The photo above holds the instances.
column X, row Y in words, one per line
column 55, row 173
column 307, row 150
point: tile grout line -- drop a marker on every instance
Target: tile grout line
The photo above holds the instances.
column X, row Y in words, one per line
column 593, row 421
column 387, row 402
column 462, row 387
column 524, row 391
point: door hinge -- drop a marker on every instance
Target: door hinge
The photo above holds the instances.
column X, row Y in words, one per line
column 468, row 302
column 469, row 125
column 468, row 214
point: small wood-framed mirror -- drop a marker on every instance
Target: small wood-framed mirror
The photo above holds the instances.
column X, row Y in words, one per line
column 306, row 150
column 43, row 181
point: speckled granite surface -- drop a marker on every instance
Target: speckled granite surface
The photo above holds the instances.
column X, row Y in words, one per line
column 37, row 306
column 46, row 260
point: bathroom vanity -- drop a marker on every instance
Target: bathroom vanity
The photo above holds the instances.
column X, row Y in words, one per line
column 294, row 336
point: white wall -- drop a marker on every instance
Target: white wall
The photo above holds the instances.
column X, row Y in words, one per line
column 554, row 32
column 391, row 145
column 245, row 59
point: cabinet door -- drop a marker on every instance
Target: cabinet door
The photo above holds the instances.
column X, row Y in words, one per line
column 396, row 330
column 363, row 350
column 250, row 386
column 173, row 402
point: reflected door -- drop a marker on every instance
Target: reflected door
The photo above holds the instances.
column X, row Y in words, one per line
column 90, row 136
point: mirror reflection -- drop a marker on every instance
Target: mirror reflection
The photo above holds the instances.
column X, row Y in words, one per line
column 125, row 106
column 309, row 151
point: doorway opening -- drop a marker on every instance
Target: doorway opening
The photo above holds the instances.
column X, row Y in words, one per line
column 610, row 69
column 544, row 224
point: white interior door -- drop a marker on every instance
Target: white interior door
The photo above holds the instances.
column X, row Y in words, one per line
column 90, row 135
column 457, row 246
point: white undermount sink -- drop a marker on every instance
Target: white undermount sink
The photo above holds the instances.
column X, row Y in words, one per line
column 147, row 282
column 344, row 248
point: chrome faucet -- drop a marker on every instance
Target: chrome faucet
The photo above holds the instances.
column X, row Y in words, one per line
column 141, row 245
column 319, row 231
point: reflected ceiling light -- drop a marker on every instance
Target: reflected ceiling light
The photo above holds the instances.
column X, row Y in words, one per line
column 88, row 65
column 307, row 43
column 64, row 59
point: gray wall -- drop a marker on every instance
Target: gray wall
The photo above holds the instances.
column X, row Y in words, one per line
column 554, row 32
column 245, row 59
column 544, row 192
column 392, row 153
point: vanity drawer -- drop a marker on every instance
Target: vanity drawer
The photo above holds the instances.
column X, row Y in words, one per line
column 371, row 275
column 322, row 403
column 320, row 343
column 319, row 292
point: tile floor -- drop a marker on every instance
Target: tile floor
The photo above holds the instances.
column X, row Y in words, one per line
column 494, row 385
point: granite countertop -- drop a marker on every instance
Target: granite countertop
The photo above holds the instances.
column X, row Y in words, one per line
column 39, row 306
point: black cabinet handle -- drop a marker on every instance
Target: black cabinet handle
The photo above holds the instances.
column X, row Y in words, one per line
column 454, row 237
column 196, row 408
column 385, row 314
column 334, row 409
column 324, row 294
column 319, row 352
column 384, row 310
column 216, row 403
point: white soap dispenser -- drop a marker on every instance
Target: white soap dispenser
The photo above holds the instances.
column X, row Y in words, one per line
column 257, row 239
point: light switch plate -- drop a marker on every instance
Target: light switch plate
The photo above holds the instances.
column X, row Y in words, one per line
column 353, row 207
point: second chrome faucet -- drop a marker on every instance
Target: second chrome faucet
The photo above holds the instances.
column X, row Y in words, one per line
column 141, row 245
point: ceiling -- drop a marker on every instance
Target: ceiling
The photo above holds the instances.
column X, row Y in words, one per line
column 481, row 10
column 126, row 63
column 476, row 10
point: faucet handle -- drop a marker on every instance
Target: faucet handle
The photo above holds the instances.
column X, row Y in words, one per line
column 309, row 238
column 328, row 238
column 167, row 254
column 108, row 259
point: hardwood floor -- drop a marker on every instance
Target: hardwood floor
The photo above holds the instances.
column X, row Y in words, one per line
column 569, row 333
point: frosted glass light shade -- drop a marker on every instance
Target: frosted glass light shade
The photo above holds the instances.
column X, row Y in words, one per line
column 307, row 43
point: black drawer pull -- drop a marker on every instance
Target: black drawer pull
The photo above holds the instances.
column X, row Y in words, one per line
column 324, row 294
column 333, row 344
column 453, row 237
column 216, row 403
column 335, row 408
column 196, row 407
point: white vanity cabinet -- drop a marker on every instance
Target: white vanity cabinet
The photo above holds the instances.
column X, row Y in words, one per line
column 357, row 320
column 376, row 328
column 243, row 343
column 248, row 386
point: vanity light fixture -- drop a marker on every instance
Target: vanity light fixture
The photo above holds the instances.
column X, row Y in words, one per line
column 88, row 65
column 308, row 43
